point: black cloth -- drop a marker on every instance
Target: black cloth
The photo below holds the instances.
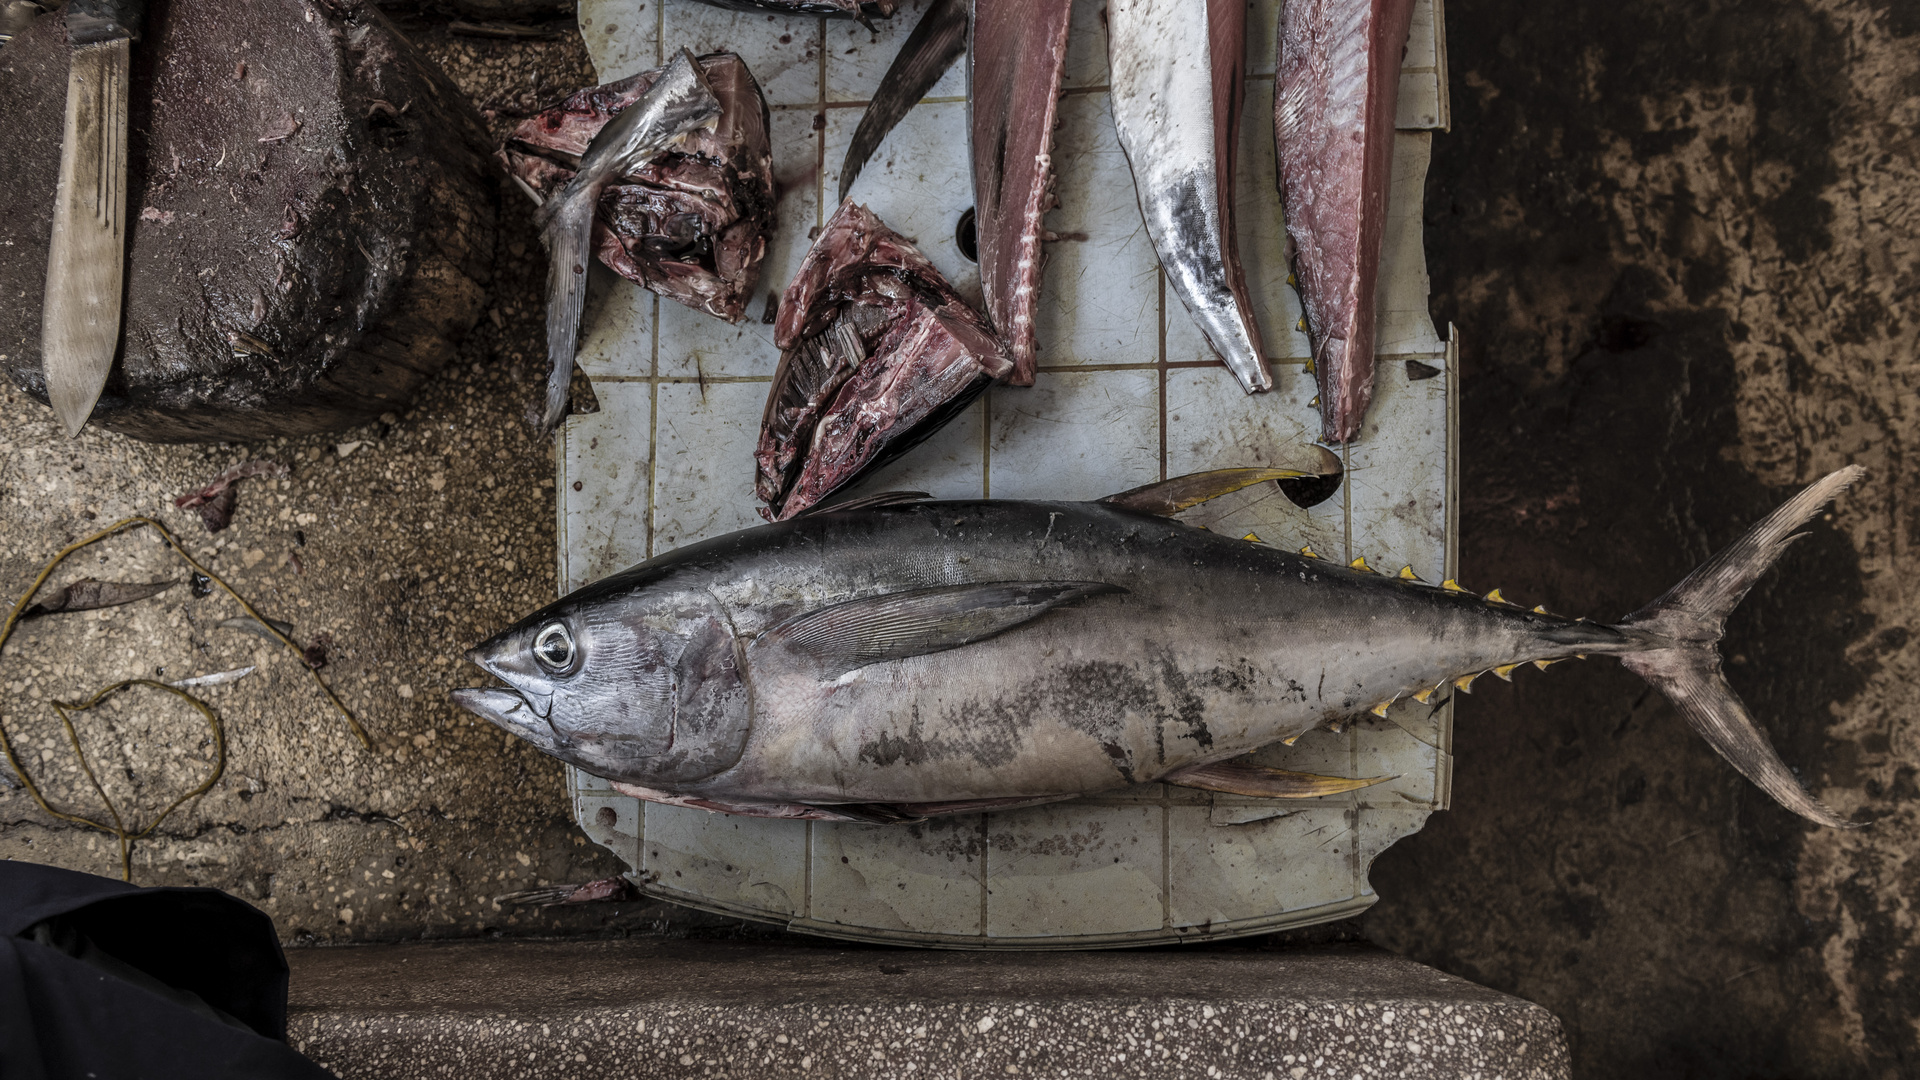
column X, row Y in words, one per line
column 105, row 980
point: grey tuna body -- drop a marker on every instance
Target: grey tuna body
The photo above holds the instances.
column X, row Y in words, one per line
column 954, row 652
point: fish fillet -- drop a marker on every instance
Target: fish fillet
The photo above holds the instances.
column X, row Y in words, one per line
column 1334, row 98
column 1016, row 58
column 1178, row 84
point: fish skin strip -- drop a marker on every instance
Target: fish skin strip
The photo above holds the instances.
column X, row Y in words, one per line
column 938, row 39
column 1177, row 86
column 946, row 652
column 1335, row 96
column 1016, row 59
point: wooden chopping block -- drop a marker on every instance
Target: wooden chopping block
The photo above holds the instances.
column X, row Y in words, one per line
column 310, row 218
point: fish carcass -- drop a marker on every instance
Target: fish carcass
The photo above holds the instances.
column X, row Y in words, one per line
column 1016, row 59
column 666, row 176
column 1335, row 92
column 877, row 353
column 1177, row 86
column 899, row 661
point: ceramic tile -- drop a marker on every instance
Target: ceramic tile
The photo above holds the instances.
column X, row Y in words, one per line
column 605, row 452
column 1075, row 435
column 782, row 51
column 1048, row 865
column 1227, row 873
column 1397, row 472
column 1379, row 829
column 1086, row 49
column 613, row 822
column 857, row 58
column 950, row 465
column 1402, row 324
column 739, row 862
column 917, row 181
column 703, row 477
column 583, row 783
column 616, row 327
column 621, row 36
column 1382, row 747
column 695, row 344
column 922, row 877
column 1099, row 296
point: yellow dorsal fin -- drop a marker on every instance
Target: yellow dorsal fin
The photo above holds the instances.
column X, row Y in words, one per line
column 1451, row 586
column 1465, row 682
column 1505, row 671
column 1407, row 574
column 1308, row 552
column 1425, row 697
column 1381, row 709
column 1495, row 597
column 1250, row 538
column 1360, row 564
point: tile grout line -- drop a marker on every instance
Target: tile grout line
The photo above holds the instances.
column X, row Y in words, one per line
column 1160, row 274
column 653, row 429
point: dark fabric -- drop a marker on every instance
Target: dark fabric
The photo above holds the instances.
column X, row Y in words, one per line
column 101, row 979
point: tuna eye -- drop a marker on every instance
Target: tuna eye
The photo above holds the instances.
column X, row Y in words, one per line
column 554, row 647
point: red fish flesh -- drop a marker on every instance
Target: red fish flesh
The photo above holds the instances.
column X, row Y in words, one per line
column 877, row 353
column 1015, row 61
column 1335, row 94
column 691, row 225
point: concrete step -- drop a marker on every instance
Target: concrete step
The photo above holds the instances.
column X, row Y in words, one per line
column 663, row 1008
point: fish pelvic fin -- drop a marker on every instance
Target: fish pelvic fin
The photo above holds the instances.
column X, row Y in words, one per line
column 1261, row 782
column 916, row 622
column 1166, row 498
column 1683, row 660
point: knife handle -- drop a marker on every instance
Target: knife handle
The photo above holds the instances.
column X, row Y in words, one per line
column 90, row 22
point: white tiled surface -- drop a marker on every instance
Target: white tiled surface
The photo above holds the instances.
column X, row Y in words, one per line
column 1127, row 393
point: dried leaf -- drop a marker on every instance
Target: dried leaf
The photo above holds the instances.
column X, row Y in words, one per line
column 87, row 594
column 252, row 626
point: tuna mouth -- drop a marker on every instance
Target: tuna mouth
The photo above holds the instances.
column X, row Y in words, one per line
column 509, row 710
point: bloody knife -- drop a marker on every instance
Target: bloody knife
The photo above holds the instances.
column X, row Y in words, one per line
column 86, row 265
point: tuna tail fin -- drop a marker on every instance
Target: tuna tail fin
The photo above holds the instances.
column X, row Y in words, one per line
column 1685, row 663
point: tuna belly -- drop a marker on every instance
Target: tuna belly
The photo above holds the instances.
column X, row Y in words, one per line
column 1073, row 710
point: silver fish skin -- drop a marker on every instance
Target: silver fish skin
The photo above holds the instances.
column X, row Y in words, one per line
column 677, row 105
column 959, row 654
column 1177, row 84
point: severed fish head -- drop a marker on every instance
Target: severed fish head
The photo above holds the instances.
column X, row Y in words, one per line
column 619, row 681
column 691, row 224
column 877, row 352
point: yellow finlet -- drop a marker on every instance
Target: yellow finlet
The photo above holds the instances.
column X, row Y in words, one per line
column 1250, row 538
column 1407, row 574
column 1541, row 609
column 1315, row 403
column 1451, row 586
column 1425, row 697
column 1505, row 671
column 1381, row 709
column 1579, row 656
column 1336, row 726
column 1289, row 740
column 1301, row 325
column 1309, row 365
column 1465, row 682
column 1293, row 279
column 1308, row 552
column 1545, row 664
column 1496, row 598
column 1360, row 564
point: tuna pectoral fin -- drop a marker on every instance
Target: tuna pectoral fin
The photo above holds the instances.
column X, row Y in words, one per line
column 1168, row 497
column 1261, row 782
column 1685, row 665
column 898, row 625
column 936, row 42
column 569, row 239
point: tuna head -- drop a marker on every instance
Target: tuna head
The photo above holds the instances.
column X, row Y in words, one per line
column 622, row 687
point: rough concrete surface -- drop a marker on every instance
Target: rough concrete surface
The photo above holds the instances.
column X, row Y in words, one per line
column 614, row 1010
column 1680, row 242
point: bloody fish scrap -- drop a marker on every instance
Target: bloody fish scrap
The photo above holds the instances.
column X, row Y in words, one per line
column 1334, row 99
column 877, row 352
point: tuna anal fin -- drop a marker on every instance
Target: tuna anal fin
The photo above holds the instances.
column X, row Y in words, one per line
column 1261, row 782
column 1168, row 497
column 898, row 625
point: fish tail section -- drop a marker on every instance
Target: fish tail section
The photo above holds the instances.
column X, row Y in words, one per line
column 1686, row 625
